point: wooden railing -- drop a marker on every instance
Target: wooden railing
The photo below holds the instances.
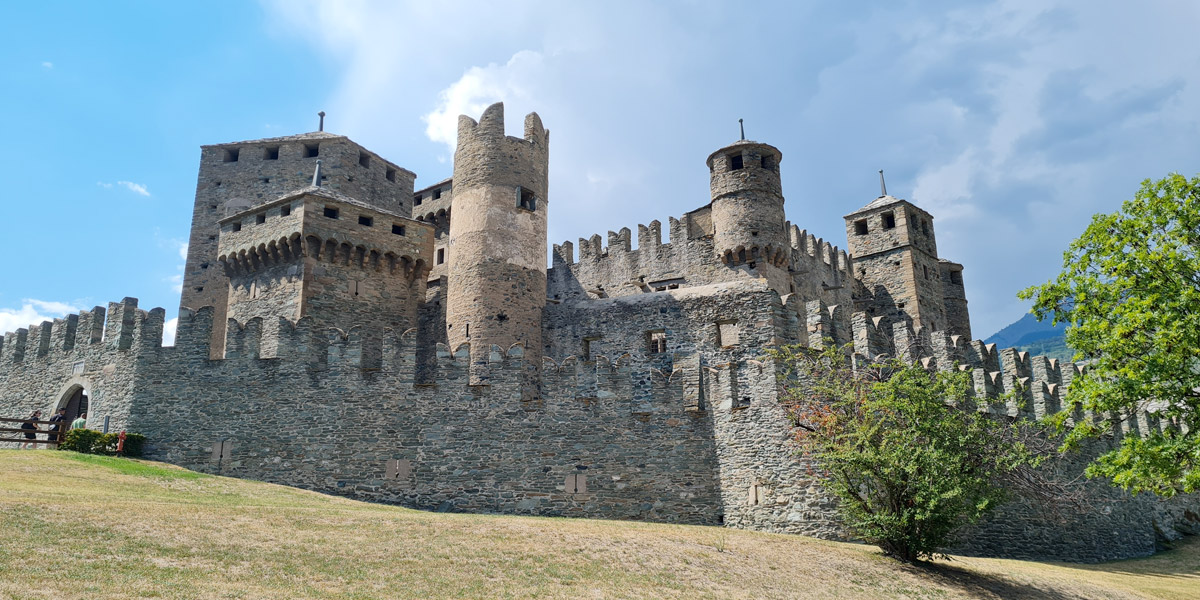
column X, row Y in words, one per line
column 43, row 435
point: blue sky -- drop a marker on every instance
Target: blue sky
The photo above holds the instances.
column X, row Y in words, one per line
column 1011, row 121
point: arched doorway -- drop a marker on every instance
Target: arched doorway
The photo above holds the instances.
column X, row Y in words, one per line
column 75, row 398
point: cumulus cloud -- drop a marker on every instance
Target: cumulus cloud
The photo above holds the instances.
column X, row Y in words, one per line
column 136, row 188
column 169, row 331
column 33, row 312
column 477, row 89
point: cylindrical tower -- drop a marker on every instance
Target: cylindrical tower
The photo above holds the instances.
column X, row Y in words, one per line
column 496, row 281
column 747, row 210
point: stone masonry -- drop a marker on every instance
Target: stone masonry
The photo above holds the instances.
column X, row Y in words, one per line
column 345, row 334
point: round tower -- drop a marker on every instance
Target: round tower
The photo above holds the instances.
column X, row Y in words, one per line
column 496, row 280
column 747, row 210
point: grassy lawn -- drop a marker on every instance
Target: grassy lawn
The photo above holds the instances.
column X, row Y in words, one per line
column 75, row 526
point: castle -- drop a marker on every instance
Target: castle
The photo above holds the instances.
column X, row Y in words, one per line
column 343, row 332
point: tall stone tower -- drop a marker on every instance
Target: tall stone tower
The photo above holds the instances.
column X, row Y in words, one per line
column 895, row 257
column 749, row 226
column 496, row 282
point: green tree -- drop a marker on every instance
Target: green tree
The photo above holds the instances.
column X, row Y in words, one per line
column 1130, row 294
column 908, row 470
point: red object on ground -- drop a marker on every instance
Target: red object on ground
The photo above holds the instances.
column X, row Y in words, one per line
column 121, row 443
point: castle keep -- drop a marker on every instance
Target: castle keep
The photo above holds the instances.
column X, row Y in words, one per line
column 343, row 332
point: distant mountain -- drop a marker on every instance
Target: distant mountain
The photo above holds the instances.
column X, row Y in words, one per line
column 1037, row 337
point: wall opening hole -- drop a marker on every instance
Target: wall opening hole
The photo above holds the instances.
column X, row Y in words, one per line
column 260, row 218
column 364, row 159
column 390, row 174
column 889, row 220
column 417, row 200
column 437, row 194
column 331, row 213
column 526, row 199
column 441, row 255
column 235, row 227
column 365, row 221
column 735, row 161
column 860, row 227
column 312, row 150
column 230, row 155
column 271, row 153
column 285, row 210
column 397, row 229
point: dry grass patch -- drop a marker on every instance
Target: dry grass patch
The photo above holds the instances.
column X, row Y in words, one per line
column 135, row 529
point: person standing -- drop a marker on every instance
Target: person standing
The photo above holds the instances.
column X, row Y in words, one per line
column 59, row 421
column 80, row 423
column 31, row 433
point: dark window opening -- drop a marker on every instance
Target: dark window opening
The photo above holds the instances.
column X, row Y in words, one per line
column 526, row 200
column 437, row 194
column 754, row 234
column 212, row 237
column 735, row 162
column 331, row 213
column 285, row 210
column 468, row 330
column 889, row 220
column 364, row 159
column 397, row 229
column 441, row 255
column 271, row 153
column 501, row 317
column 656, row 342
column 200, row 289
column 956, row 277
column 768, row 163
column 212, row 207
column 365, row 221
column 260, row 218
column 203, row 265
column 230, row 155
column 900, row 305
column 390, row 174
column 860, row 227
column 236, row 227
column 311, row 150
column 265, row 180
column 417, row 200
column 218, row 184
column 926, row 267
column 925, row 227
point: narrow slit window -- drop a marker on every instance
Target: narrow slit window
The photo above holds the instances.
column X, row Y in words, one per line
column 365, row 221
column 271, row 153
column 397, row 229
column 330, row 213
column 735, row 162
column 441, row 255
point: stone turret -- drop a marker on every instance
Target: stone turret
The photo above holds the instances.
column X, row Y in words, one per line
column 750, row 228
column 496, row 281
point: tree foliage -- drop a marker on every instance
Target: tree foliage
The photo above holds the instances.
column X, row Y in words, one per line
column 1130, row 294
column 908, row 470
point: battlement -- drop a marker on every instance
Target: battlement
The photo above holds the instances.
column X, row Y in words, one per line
column 120, row 327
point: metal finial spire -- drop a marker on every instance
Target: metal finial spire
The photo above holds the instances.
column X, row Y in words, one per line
column 317, row 175
column 321, row 125
column 742, row 128
column 882, row 185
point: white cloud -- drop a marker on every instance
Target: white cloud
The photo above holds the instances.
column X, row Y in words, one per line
column 33, row 312
column 47, row 65
column 477, row 89
column 176, row 282
column 136, row 188
column 169, row 331
column 107, row 186
column 183, row 248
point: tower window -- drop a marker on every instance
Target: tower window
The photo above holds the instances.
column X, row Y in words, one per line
column 390, row 174
column 235, row 227
column 956, row 277
column 311, row 150
column 656, row 341
column 926, row 267
column 860, row 227
column 768, row 163
column 260, row 218
column 417, row 200
column 735, row 161
column 397, row 229
column 889, row 220
column 271, row 153
column 230, row 155
column 437, row 194
column 331, row 213
column 924, row 227
column 364, row 159
column 441, row 255
column 526, row 199
column 365, row 221
column 285, row 210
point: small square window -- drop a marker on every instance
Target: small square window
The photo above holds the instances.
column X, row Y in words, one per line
column 235, row 227
column 956, row 277
column 860, row 227
column 260, row 218
column 526, row 199
column 390, row 174
column 656, row 341
column 768, row 163
column 437, row 194
column 364, row 159
column 271, row 153
column 735, row 161
column 417, row 200
column 285, row 210
column 312, row 150
column 365, row 221
column 397, row 229
column 230, row 155
column 331, row 213
column 441, row 255
column 889, row 220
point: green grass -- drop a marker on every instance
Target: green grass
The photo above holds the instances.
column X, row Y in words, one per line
column 74, row 526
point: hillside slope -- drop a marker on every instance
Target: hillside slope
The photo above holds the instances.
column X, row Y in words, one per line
column 1035, row 337
column 131, row 529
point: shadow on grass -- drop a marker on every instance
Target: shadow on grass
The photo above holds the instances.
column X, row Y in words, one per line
column 1182, row 561
column 979, row 585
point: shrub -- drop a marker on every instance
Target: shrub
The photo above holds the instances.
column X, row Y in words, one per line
column 88, row 441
